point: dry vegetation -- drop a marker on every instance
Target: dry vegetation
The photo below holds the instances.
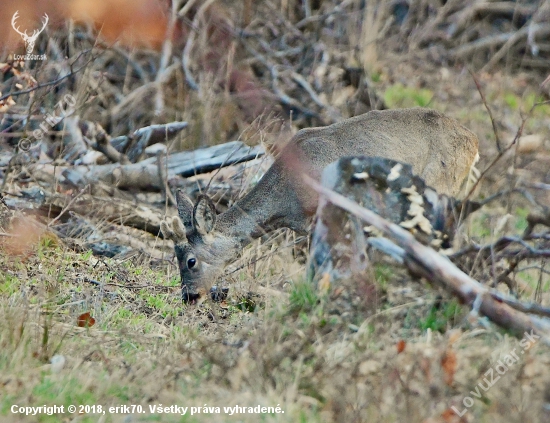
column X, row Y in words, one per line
column 77, row 327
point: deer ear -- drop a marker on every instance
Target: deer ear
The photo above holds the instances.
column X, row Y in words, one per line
column 204, row 215
column 185, row 209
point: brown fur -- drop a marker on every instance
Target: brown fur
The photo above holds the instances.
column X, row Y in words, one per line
column 439, row 149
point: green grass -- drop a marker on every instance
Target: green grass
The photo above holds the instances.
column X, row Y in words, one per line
column 383, row 274
column 303, row 296
column 512, row 100
column 521, row 214
column 399, row 96
column 441, row 316
column 521, row 105
column 9, row 284
column 479, row 226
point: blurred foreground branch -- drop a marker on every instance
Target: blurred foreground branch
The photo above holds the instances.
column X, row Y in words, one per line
column 421, row 260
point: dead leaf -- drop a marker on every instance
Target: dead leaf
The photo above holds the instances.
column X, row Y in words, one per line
column 337, row 292
column 449, row 416
column 454, row 335
column 448, row 363
column 369, row 367
column 401, row 346
column 85, row 320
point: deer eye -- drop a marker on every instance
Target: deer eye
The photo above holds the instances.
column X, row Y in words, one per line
column 191, row 263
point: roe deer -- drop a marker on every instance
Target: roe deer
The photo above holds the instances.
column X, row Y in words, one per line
column 438, row 148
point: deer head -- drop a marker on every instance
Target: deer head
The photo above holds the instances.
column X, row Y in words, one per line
column 29, row 39
column 201, row 248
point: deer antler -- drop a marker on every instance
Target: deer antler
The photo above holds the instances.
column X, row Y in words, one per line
column 13, row 19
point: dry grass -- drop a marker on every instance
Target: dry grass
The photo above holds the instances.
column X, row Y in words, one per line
column 318, row 363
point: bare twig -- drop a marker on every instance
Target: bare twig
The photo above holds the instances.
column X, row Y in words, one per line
column 165, row 58
column 501, row 154
column 189, row 45
column 484, row 100
column 162, row 168
column 505, row 49
column 68, row 206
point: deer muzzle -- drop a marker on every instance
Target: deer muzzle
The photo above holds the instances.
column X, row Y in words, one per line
column 190, row 298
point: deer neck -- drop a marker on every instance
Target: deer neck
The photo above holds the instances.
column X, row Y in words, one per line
column 246, row 220
column 268, row 206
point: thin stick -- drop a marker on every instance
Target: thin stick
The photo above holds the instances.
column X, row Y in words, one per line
column 189, row 45
column 484, row 100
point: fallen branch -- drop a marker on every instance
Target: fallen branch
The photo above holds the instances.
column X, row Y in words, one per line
column 505, row 49
column 497, row 248
column 67, row 207
column 96, row 136
column 135, row 143
column 145, row 174
column 109, row 240
column 490, row 42
column 533, row 219
column 508, row 9
column 119, row 211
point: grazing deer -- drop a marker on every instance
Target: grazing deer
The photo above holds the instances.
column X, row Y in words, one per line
column 438, row 148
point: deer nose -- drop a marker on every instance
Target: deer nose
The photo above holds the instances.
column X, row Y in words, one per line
column 190, row 298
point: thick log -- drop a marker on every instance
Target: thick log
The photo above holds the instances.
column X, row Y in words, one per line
column 146, row 175
column 110, row 240
column 391, row 190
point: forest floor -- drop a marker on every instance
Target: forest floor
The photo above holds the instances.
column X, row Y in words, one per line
column 100, row 333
